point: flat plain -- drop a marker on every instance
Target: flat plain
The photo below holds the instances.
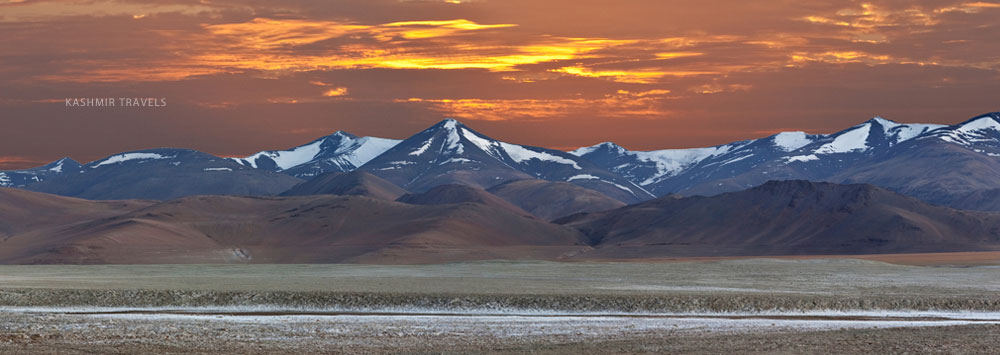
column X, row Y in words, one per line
column 742, row 305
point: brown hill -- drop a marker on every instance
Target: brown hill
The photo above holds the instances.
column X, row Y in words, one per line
column 787, row 218
column 550, row 200
column 308, row 229
column 454, row 193
column 22, row 211
column 359, row 183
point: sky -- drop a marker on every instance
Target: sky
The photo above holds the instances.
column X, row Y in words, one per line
column 239, row 76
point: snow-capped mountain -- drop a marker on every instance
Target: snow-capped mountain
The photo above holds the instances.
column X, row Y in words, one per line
column 822, row 157
column 954, row 165
column 162, row 174
column 338, row 152
column 741, row 165
column 450, row 152
column 24, row 177
column 645, row 168
column 659, row 171
column 949, row 165
column 841, row 149
column 980, row 134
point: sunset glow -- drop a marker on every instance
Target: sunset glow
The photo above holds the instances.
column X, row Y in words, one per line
column 645, row 74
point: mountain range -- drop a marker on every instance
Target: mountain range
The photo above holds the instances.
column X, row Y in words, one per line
column 950, row 165
column 946, row 165
column 160, row 174
column 450, row 152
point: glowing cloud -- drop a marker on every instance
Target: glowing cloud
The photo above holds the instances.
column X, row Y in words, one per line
column 340, row 91
column 622, row 104
column 266, row 44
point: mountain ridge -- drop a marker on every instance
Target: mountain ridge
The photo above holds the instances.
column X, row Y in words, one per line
column 451, row 152
column 879, row 151
column 793, row 217
column 163, row 174
column 338, row 152
column 861, row 153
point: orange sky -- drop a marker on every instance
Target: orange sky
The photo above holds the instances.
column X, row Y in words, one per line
column 241, row 76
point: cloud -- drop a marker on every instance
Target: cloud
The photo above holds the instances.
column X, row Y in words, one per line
column 17, row 162
column 645, row 73
column 621, row 104
column 338, row 91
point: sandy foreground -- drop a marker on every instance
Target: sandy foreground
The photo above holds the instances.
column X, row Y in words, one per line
column 747, row 306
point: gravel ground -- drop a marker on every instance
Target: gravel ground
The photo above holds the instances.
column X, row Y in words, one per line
column 77, row 334
column 803, row 306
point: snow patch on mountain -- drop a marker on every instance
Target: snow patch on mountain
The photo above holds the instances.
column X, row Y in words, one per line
column 904, row 131
column 670, row 162
column 521, row 154
column 343, row 150
column 366, row 149
column 850, row 141
column 592, row 177
column 801, row 158
column 911, row 131
column 120, row 158
column 516, row 152
column 453, row 140
column 621, row 187
column 483, row 144
column 979, row 130
column 789, row 141
column 607, row 145
column 664, row 163
column 456, row 160
column 981, row 124
column 289, row 158
column 58, row 168
column 422, row 148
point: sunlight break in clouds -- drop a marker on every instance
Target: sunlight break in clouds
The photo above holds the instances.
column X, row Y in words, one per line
column 621, row 104
column 270, row 44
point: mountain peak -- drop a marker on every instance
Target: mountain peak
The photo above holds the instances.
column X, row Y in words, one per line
column 342, row 135
column 64, row 160
column 883, row 122
column 449, row 124
column 606, row 146
column 792, row 140
column 995, row 116
column 982, row 122
column 340, row 151
column 59, row 165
